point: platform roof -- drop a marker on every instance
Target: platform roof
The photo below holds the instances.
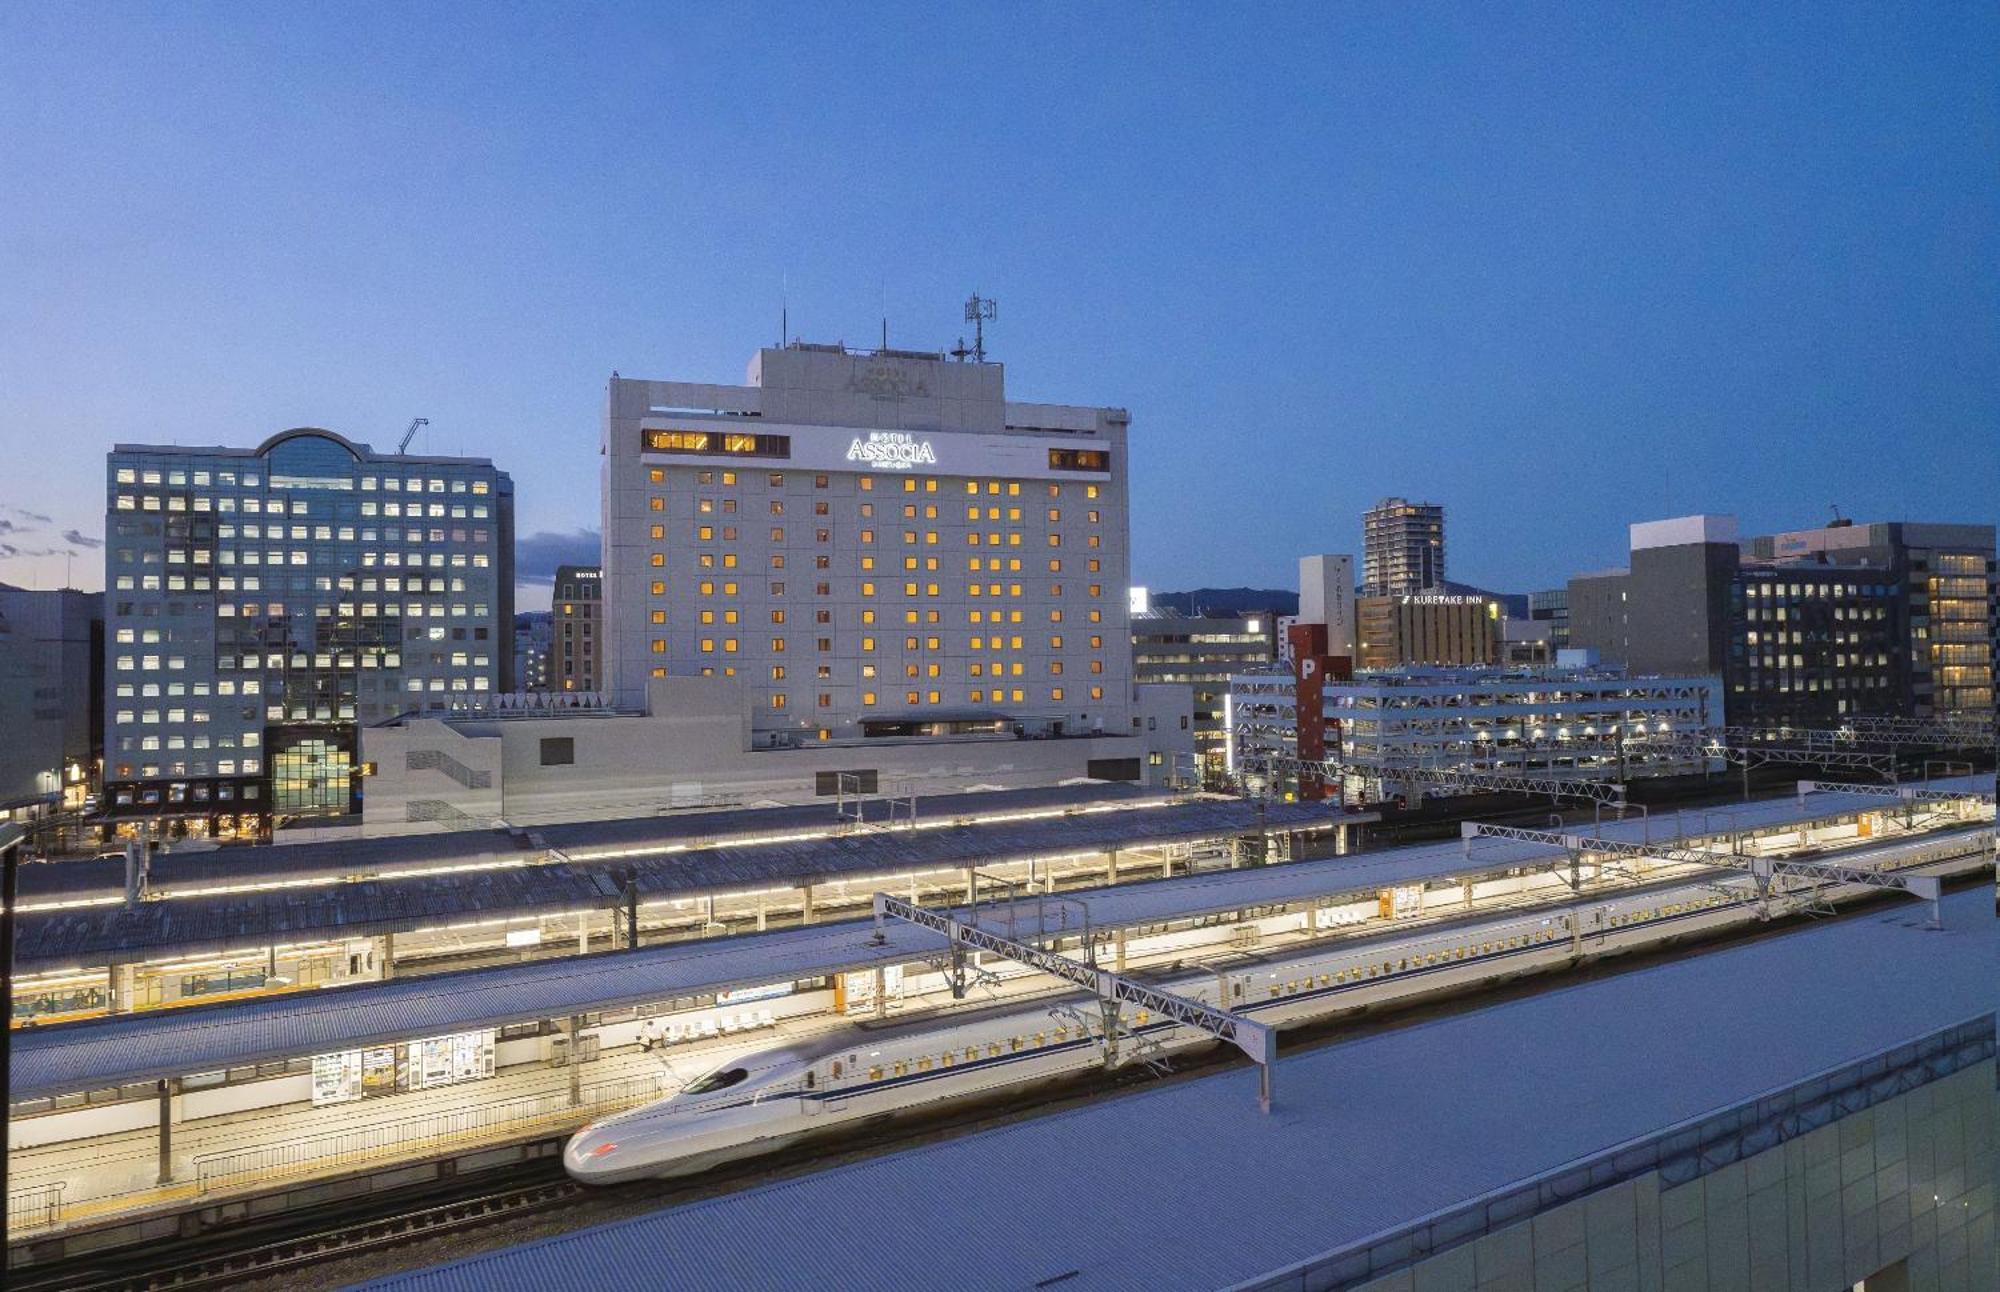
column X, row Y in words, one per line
column 207, row 923
column 104, row 1052
column 1189, row 1186
column 361, row 857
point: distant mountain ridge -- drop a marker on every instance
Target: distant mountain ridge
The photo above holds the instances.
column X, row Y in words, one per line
column 1228, row 601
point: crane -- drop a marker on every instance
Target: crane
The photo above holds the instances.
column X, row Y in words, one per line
column 411, row 434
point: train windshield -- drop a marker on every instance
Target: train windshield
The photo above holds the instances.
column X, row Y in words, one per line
column 720, row 1079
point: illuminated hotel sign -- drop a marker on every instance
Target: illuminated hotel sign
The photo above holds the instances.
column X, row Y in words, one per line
column 891, row 450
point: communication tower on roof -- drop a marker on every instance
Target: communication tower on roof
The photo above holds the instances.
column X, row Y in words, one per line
column 978, row 312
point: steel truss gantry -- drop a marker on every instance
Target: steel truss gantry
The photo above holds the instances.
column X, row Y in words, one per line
column 1610, row 793
column 1912, row 793
column 1114, row 991
column 1715, row 743
column 1817, row 873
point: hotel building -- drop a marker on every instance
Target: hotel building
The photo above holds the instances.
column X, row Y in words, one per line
column 876, row 544
column 263, row 603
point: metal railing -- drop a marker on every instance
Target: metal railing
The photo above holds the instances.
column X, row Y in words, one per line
column 34, row 1208
column 412, row 1136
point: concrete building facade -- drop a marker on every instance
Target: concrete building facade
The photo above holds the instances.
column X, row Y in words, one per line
column 693, row 746
column 265, row 603
column 1402, row 548
column 51, row 697
column 1202, row 652
column 876, row 544
column 576, row 620
column 1427, row 629
column 1807, row 628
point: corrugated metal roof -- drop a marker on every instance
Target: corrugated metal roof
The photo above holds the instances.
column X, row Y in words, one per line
column 111, row 1051
column 203, row 923
column 367, row 856
column 1188, row 1186
column 90, row 1055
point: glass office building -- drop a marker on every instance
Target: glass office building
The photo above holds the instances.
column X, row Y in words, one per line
column 262, row 604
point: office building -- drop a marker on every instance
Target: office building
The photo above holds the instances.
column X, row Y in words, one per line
column 1429, row 629
column 876, row 544
column 1807, row 628
column 1552, row 607
column 263, row 603
column 1945, row 575
column 1202, row 651
column 51, row 698
column 534, row 636
column 1402, row 550
column 577, row 626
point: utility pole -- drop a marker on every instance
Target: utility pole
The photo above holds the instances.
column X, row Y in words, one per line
column 13, row 838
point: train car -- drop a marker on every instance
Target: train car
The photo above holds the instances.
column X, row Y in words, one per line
column 765, row 1101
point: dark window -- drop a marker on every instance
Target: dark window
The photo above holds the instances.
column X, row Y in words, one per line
column 558, row 751
column 1113, row 769
column 714, row 1081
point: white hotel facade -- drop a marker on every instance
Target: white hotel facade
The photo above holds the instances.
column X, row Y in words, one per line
column 876, row 545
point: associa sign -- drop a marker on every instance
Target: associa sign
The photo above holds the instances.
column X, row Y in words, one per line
column 891, row 451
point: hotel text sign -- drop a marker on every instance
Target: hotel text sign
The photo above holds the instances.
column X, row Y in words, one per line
column 891, row 450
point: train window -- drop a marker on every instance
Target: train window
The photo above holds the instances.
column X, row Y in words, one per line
column 811, row 1078
column 924, row 1064
column 875, row 1073
column 993, row 1049
column 835, row 1074
column 722, row 1079
column 1041, row 1038
column 945, row 1058
column 1014, row 1044
column 902, row 1067
column 971, row 1053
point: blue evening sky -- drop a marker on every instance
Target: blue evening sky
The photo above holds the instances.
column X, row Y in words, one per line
column 1559, row 268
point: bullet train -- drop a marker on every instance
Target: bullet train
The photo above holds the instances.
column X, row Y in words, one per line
column 762, row 1102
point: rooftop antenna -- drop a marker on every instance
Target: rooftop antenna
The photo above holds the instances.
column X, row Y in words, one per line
column 784, row 309
column 978, row 312
column 411, row 434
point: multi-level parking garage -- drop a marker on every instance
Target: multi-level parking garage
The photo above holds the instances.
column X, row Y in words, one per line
column 118, row 1119
column 99, row 938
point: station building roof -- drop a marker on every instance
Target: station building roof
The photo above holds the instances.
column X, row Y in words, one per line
column 96, row 1053
column 206, row 923
column 1189, row 1186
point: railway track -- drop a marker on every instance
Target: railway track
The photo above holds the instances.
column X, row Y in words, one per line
column 213, row 1265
